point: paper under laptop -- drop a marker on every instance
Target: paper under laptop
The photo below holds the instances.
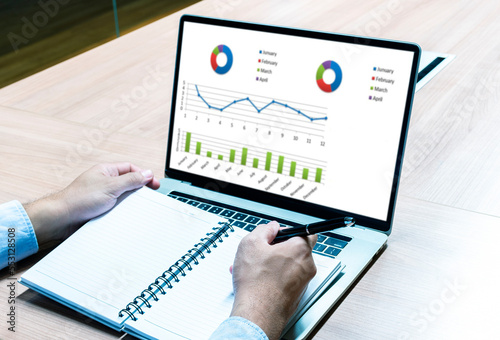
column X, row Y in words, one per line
column 431, row 63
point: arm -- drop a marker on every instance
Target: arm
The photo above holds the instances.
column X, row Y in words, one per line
column 56, row 216
column 94, row 192
column 269, row 280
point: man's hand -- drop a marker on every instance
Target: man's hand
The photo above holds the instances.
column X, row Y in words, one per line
column 94, row 192
column 269, row 279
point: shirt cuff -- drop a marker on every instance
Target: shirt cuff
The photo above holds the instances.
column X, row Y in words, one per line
column 237, row 327
column 17, row 231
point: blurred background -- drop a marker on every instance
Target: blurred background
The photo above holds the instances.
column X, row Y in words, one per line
column 37, row 34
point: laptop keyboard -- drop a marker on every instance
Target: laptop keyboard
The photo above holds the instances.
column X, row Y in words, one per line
column 329, row 244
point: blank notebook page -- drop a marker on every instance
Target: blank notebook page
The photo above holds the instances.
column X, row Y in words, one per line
column 113, row 258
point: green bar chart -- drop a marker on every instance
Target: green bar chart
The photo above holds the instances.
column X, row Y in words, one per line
column 305, row 173
column 244, row 156
column 293, row 165
column 269, row 156
column 318, row 175
column 281, row 160
column 254, row 158
column 188, row 141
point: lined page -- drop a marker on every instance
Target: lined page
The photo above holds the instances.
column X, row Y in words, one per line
column 113, row 258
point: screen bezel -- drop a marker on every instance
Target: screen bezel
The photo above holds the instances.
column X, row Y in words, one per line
column 274, row 199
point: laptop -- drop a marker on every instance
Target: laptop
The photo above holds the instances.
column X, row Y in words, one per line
column 274, row 123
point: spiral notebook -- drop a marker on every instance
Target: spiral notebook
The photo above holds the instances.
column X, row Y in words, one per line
column 153, row 267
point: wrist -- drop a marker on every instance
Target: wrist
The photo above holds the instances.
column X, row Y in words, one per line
column 49, row 217
column 265, row 313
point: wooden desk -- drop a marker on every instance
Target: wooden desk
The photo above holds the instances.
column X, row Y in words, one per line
column 437, row 278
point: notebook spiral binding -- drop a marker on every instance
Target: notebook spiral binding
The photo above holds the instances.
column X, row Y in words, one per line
column 176, row 270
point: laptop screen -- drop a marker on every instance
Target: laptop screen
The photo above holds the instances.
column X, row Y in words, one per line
column 295, row 116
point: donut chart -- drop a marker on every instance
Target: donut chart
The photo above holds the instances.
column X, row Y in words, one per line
column 213, row 59
column 327, row 65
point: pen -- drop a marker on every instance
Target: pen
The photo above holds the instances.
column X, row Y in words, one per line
column 314, row 228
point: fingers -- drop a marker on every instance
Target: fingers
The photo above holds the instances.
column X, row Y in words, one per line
column 270, row 230
column 153, row 183
column 127, row 182
column 149, row 178
column 130, row 177
column 267, row 231
column 311, row 240
column 123, row 168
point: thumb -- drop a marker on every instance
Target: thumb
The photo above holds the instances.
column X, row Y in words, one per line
column 268, row 231
column 130, row 181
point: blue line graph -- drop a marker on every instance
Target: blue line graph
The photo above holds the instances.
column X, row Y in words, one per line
column 255, row 107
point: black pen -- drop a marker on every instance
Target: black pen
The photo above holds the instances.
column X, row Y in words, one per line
column 314, row 228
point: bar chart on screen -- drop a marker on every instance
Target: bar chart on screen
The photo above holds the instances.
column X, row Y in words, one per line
column 253, row 157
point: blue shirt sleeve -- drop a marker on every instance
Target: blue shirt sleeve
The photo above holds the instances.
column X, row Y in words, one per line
column 236, row 327
column 17, row 236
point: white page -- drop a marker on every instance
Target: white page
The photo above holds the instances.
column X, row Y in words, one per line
column 113, row 258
